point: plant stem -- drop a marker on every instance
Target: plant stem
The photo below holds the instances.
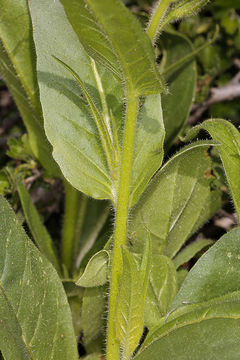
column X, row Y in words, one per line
column 72, row 200
column 156, row 18
column 120, row 235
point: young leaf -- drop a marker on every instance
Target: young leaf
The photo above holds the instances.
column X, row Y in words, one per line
column 215, row 274
column 190, row 251
column 17, row 66
column 69, row 124
column 38, row 230
column 161, row 291
column 35, row 317
column 114, row 36
column 130, row 305
column 181, row 83
column 177, row 201
column 166, row 11
column 227, row 135
column 95, row 273
column 207, row 328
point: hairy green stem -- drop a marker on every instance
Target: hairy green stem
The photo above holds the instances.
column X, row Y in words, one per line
column 72, row 200
column 120, row 234
column 156, row 19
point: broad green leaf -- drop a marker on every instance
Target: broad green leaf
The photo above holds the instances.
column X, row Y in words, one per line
column 113, row 36
column 38, row 230
column 190, row 251
column 17, row 66
column 181, row 82
column 177, row 201
column 68, row 120
column 227, row 135
column 130, row 306
column 148, row 153
column 215, row 274
column 35, row 317
column 206, row 331
column 92, row 314
column 95, row 273
column 161, row 290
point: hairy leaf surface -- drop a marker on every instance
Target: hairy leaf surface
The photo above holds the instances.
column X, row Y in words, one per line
column 177, row 201
column 113, row 36
column 18, row 68
column 69, row 123
column 227, row 135
column 95, row 273
column 130, row 306
column 205, row 331
column 161, row 290
column 215, row 274
column 35, row 319
column 148, row 152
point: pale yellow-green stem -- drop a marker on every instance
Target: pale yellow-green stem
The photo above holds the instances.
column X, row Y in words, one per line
column 156, row 18
column 120, row 234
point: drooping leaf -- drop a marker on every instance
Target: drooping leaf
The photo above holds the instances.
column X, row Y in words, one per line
column 35, row 317
column 18, row 68
column 215, row 274
column 190, row 251
column 208, row 330
column 130, row 306
column 148, row 153
column 113, row 36
column 68, row 120
column 181, row 83
column 177, row 201
column 95, row 273
column 92, row 315
column 227, row 135
column 38, row 230
column 161, row 291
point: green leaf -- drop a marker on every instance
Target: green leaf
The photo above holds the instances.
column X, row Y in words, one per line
column 215, row 274
column 148, row 153
column 229, row 138
column 161, row 291
column 181, row 83
column 208, row 330
column 95, row 273
column 17, row 66
column 92, row 314
column 69, row 124
column 35, row 317
column 38, row 230
column 177, row 201
column 190, row 251
column 130, row 306
column 93, row 357
column 113, row 36
column 179, row 9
